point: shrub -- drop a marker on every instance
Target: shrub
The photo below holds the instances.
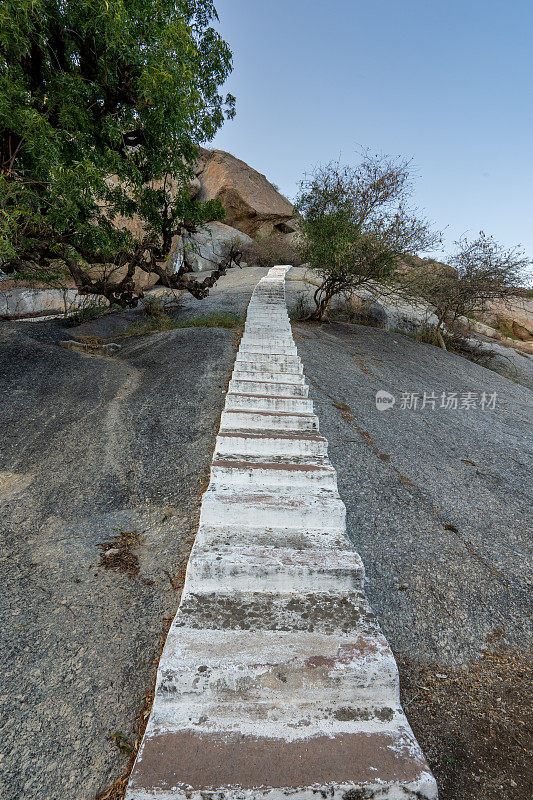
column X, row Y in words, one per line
column 300, row 310
column 154, row 307
column 356, row 226
column 90, row 308
column 270, row 251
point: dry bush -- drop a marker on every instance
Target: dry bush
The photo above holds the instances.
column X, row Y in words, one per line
column 270, row 251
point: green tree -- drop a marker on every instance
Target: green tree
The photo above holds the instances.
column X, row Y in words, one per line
column 357, row 226
column 102, row 106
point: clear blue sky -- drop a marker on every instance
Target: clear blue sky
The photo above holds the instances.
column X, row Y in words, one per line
column 448, row 83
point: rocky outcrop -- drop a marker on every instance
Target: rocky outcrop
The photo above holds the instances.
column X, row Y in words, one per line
column 205, row 249
column 252, row 204
column 393, row 312
column 17, row 302
column 513, row 316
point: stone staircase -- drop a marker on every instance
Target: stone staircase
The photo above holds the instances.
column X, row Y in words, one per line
column 275, row 679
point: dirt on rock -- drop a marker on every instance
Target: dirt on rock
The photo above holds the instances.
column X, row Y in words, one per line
column 475, row 723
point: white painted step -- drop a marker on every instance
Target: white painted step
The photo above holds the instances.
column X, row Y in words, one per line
column 266, row 362
column 278, row 570
column 264, row 345
column 269, row 377
column 236, row 420
column 233, row 472
column 264, row 331
column 232, row 536
column 267, row 347
column 300, row 508
column 251, row 667
column 276, row 364
column 252, row 443
column 274, row 388
column 266, row 402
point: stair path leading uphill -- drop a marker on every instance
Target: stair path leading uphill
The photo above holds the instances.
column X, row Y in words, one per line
column 275, row 679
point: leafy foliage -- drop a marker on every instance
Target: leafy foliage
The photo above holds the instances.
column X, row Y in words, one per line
column 357, row 225
column 102, row 104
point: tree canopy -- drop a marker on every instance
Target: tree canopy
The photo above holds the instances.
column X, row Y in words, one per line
column 102, row 106
column 357, row 225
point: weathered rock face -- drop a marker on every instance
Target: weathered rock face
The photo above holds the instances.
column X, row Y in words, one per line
column 426, row 265
column 17, row 302
column 204, row 249
column 252, row 204
column 514, row 316
column 393, row 313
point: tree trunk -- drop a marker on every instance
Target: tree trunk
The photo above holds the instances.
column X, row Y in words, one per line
column 438, row 334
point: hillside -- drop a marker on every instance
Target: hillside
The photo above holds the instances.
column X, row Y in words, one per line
column 438, row 508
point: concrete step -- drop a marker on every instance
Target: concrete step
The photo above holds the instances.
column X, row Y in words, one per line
column 235, row 420
column 386, row 763
column 232, row 472
column 252, row 443
column 329, row 613
column 278, row 325
column 264, row 331
column 269, row 377
column 277, row 388
column 261, row 345
column 273, row 348
column 255, row 351
column 321, row 509
column 271, row 569
column 266, row 402
column 325, row 672
column 268, row 364
column 270, row 312
column 233, row 536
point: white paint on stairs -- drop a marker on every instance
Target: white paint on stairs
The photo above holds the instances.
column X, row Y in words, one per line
column 275, row 679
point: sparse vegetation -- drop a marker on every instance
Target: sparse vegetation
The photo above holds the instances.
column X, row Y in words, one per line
column 428, row 335
column 165, row 322
column 483, row 270
column 357, row 226
column 270, row 251
column 91, row 309
column 300, row 310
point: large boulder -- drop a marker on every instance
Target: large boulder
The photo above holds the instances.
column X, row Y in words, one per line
column 513, row 316
column 205, row 249
column 19, row 301
column 252, row 204
column 393, row 312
